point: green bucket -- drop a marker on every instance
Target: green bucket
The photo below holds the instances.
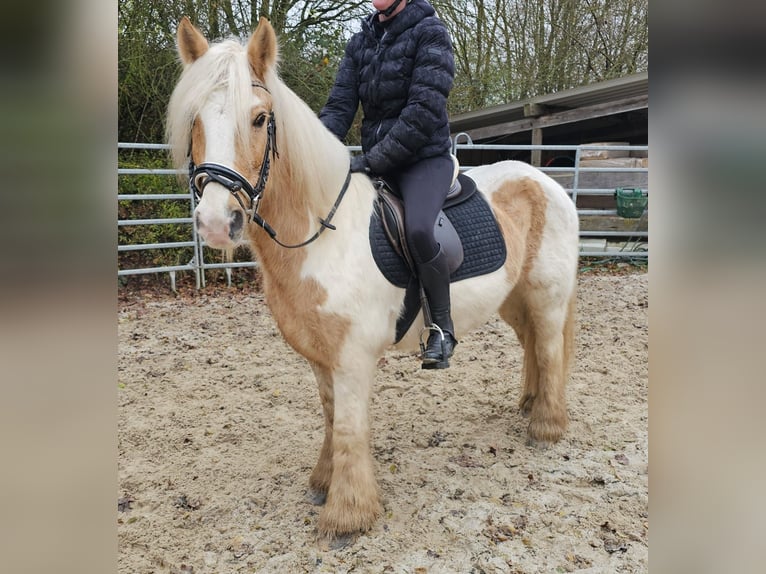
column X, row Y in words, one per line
column 631, row 201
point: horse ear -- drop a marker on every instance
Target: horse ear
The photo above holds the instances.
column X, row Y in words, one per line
column 262, row 48
column 191, row 43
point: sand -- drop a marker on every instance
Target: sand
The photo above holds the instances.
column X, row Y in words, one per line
column 220, row 425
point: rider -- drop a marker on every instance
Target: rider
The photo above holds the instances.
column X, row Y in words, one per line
column 400, row 68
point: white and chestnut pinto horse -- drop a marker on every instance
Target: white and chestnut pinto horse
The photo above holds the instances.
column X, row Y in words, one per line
column 274, row 176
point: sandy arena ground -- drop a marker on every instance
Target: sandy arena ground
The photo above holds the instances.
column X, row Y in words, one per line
column 220, row 425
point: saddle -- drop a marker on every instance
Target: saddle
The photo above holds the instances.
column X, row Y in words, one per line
column 465, row 228
column 391, row 209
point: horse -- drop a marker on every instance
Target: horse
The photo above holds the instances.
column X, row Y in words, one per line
column 269, row 175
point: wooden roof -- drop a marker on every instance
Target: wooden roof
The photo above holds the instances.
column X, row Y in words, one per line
column 585, row 103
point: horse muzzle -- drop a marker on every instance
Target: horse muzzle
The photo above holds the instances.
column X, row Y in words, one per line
column 220, row 232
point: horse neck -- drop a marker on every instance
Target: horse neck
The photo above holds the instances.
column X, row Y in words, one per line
column 318, row 162
column 308, row 174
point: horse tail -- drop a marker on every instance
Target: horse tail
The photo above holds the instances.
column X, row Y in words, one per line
column 569, row 333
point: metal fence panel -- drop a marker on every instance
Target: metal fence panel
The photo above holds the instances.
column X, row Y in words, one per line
column 635, row 244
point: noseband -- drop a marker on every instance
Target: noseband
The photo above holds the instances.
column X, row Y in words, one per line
column 235, row 182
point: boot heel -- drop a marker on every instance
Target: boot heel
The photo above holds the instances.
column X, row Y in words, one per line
column 443, row 364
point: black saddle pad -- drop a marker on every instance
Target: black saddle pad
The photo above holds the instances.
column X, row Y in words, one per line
column 483, row 244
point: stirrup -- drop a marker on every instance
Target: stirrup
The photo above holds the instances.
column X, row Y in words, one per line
column 433, row 363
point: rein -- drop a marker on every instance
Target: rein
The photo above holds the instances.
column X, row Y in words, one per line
column 204, row 173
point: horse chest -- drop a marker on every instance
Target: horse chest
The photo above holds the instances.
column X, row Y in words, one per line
column 313, row 333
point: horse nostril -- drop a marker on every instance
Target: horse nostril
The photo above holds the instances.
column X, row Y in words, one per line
column 197, row 221
column 235, row 224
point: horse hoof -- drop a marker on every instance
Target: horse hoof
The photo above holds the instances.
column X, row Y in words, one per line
column 339, row 521
column 341, row 542
column 544, row 434
column 338, row 542
column 538, row 444
column 316, row 497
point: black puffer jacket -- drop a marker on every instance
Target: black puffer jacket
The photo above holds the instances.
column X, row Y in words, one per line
column 401, row 71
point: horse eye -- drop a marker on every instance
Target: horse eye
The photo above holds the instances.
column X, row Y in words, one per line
column 259, row 121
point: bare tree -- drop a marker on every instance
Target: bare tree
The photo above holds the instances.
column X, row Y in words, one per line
column 504, row 49
column 312, row 37
column 513, row 49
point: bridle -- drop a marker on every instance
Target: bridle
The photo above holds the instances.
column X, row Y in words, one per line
column 204, row 173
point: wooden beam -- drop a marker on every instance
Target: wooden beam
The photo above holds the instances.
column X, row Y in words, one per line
column 537, row 139
column 558, row 118
column 613, row 223
column 595, row 111
column 534, row 110
column 501, row 129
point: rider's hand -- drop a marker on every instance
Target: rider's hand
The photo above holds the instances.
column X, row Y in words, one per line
column 359, row 164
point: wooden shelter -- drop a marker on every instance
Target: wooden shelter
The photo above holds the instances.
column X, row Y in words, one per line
column 613, row 110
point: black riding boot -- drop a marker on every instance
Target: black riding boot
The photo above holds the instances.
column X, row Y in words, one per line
column 434, row 277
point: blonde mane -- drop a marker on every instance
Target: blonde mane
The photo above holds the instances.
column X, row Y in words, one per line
column 224, row 65
column 314, row 155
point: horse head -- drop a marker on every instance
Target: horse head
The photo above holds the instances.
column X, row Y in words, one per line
column 221, row 120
